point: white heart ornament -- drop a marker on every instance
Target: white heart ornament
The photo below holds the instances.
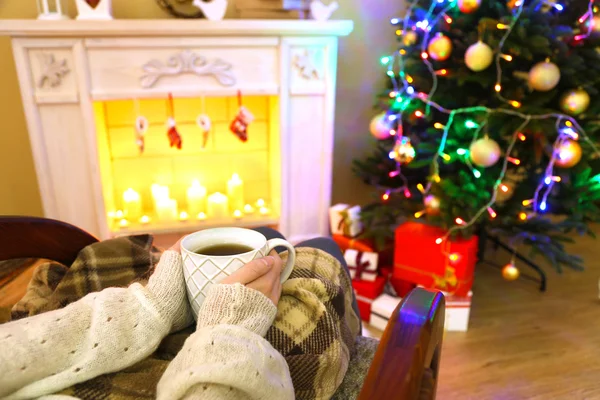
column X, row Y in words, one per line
column 322, row 12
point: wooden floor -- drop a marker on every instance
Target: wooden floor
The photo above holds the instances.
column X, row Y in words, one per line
column 523, row 344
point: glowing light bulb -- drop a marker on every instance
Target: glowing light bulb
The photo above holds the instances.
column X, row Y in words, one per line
column 392, row 155
column 395, row 21
column 419, row 214
column 549, row 179
column 513, row 160
column 439, row 241
column 442, row 72
column 461, row 152
column 421, row 188
column 504, row 188
column 568, row 123
column 527, row 202
column 390, row 73
column 446, row 157
column 438, row 125
column 459, row 221
column 502, row 26
column 559, row 7
column 407, row 193
column 424, row 55
column 418, row 114
column 410, row 90
column 399, row 32
column 454, row 257
column 386, row 196
column 393, row 132
column 402, row 52
column 476, row 173
column 521, row 137
column 497, row 88
column 492, row 212
column 471, row 124
column 392, row 117
column 543, row 206
column 515, row 103
column 409, row 79
column 393, row 94
column 394, row 174
column 522, row 216
column 447, row 18
column 437, row 178
column 507, row 57
column 385, row 60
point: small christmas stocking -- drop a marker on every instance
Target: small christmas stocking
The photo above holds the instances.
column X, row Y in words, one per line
column 173, row 135
column 243, row 118
column 203, row 121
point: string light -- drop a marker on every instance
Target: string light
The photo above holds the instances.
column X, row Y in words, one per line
column 459, row 221
column 502, row 26
column 420, row 188
column 438, row 125
column 527, row 202
column 513, row 160
column 454, row 257
column 522, row 137
column 522, row 216
column 394, row 174
column 549, row 179
column 492, row 212
column 515, row 104
column 498, row 88
column 461, row 152
column 439, row 241
column 442, row 72
column 419, row 214
column 504, row 188
column 506, row 57
column 407, row 193
column 386, row 196
column 424, row 55
column 418, row 114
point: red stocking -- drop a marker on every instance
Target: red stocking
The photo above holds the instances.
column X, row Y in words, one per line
column 239, row 126
column 173, row 135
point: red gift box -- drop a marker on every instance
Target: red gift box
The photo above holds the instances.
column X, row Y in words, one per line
column 386, row 256
column 449, row 266
column 365, row 293
column 401, row 286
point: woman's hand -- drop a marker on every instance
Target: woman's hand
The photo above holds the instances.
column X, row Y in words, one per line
column 262, row 274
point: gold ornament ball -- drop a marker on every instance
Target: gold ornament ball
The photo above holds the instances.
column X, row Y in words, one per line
column 468, row 6
column 569, row 154
column 544, row 76
column 478, row 56
column 380, row 126
column 595, row 23
column 440, row 47
column 484, row 152
column 574, row 102
column 510, row 272
column 410, row 38
column 404, row 152
column 432, row 204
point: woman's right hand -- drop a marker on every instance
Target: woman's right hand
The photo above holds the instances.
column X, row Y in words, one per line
column 262, row 274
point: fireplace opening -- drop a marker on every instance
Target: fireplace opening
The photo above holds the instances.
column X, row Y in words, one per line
column 215, row 179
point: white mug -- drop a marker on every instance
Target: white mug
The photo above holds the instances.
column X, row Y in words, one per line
column 203, row 271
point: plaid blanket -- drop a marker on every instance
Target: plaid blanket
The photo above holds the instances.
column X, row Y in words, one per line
column 315, row 327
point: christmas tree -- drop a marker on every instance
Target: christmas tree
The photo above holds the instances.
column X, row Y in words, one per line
column 490, row 121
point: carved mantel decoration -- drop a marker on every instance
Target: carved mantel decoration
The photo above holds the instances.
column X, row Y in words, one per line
column 187, row 62
column 52, row 71
column 307, row 64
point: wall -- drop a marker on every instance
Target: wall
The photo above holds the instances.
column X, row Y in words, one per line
column 359, row 78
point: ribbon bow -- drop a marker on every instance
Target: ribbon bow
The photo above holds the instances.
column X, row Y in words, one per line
column 345, row 222
column 447, row 281
column 361, row 265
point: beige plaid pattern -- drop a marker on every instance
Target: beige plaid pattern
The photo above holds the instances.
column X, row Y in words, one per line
column 315, row 327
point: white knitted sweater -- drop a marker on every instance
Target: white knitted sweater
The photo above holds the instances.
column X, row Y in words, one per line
column 226, row 358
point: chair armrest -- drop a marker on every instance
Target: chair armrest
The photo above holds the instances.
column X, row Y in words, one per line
column 31, row 237
column 411, row 344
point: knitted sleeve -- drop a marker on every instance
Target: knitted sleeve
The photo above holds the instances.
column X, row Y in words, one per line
column 227, row 357
column 101, row 333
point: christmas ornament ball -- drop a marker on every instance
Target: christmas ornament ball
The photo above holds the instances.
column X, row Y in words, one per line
column 380, row 126
column 595, row 23
column 510, row 272
column 484, row 152
column 468, row 6
column 410, row 38
column 574, row 102
column 478, row 56
column 440, row 47
column 544, row 76
column 569, row 154
column 432, row 204
column 404, row 151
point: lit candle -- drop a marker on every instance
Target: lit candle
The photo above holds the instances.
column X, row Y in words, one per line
column 159, row 193
column 119, row 214
column 260, row 203
column 183, row 216
column 196, row 198
column 248, row 209
column 145, row 220
column 264, row 211
column 166, row 210
column 123, row 223
column 235, row 192
column 201, row 216
column 237, row 214
column 217, row 206
column 132, row 204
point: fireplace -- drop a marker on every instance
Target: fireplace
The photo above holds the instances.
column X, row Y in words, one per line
column 84, row 85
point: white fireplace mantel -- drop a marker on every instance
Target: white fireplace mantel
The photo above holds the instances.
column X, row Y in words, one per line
column 64, row 66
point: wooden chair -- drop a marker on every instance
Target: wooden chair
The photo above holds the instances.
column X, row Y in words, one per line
column 405, row 365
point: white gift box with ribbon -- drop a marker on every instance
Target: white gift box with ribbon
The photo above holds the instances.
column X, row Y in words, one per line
column 345, row 220
column 362, row 265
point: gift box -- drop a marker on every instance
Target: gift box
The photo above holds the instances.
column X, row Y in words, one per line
column 362, row 265
column 345, row 220
column 366, row 292
column 402, row 287
column 386, row 256
column 457, row 313
column 448, row 266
